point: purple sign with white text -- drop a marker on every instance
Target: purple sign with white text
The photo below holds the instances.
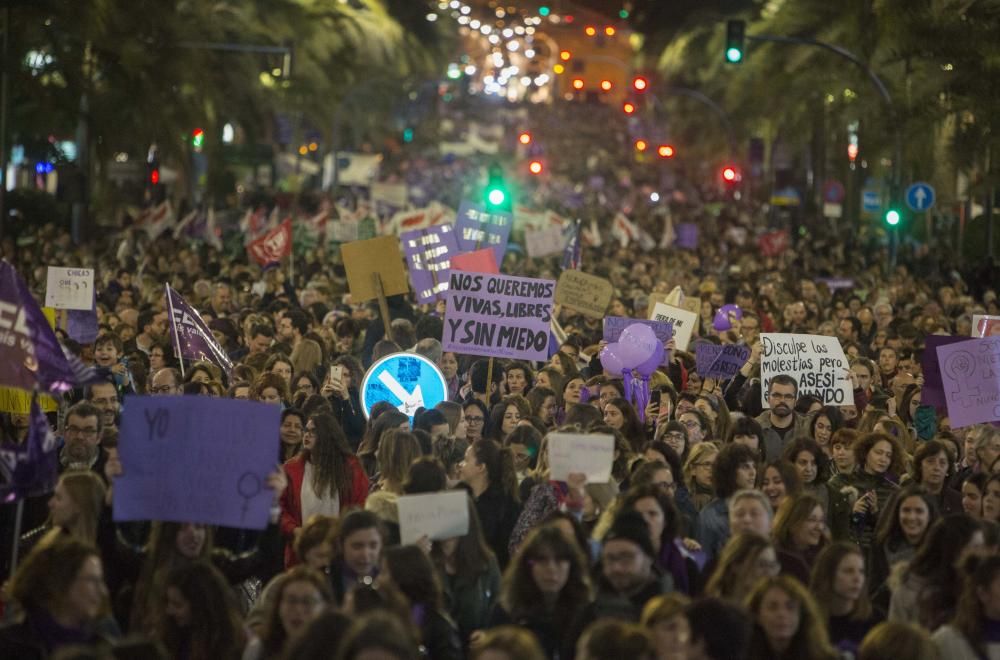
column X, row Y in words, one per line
column 428, row 258
column 477, row 228
column 615, row 325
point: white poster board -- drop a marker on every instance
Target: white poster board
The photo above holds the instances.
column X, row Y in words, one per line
column 543, row 242
column 816, row 363
column 70, row 288
column 589, row 453
column 438, row 516
column 684, row 322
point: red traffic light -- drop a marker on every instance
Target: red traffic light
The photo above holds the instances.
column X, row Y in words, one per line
column 665, row 151
column 154, row 176
column 640, row 84
column 536, row 167
column 729, row 174
column 629, row 108
column 524, row 138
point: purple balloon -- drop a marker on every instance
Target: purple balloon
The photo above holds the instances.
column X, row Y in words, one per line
column 637, row 343
column 647, row 368
column 721, row 321
column 611, row 358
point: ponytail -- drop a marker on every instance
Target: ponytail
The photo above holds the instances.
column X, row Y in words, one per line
column 499, row 463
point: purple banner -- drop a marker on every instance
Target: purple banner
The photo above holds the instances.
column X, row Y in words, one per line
column 614, row 325
column 190, row 335
column 428, row 256
column 196, row 459
column 687, row 235
column 720, row 361
column 31, row 468
column 477, row 228
column 932, row 393
column 971, row 380
column 498, row 316
column 30, row 354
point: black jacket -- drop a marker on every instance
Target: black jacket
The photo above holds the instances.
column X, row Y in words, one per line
column 558, row 642
column 498, row 514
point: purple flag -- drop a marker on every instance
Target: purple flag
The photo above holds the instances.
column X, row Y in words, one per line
column 191, row 335
column 32, row 468
column 932, row 393
column 428, row 256
column 30, row 355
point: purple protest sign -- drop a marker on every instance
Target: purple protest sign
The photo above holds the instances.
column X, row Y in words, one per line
column 720, row 360
column 196, row 459
column 191, row 337
column 687, row 235
column 615, row 325
column 932, row 393
column 428, row 256
column 971, row 381
column 498, row 316
column 30, row 354
column 476, row 228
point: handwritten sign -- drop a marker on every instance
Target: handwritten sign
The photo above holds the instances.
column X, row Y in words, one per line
column 543, row 242
column 477, row 261
column 588, row 294
column 379, row 255
column 196, row 459
column 69, row 288
column 971, row 380
column 683, row 322
column 438, row 516
column 816, row 363
column 428, row 254
column 498, row 316
column 720, row 361
column 477, row 228
column 932, row 393
column 590, row 454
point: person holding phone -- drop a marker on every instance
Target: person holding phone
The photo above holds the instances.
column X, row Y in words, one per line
column 340, row 388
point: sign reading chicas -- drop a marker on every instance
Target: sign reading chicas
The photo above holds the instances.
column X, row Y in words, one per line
column 498, row 316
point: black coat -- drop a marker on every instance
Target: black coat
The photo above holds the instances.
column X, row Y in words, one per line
column 498, row 513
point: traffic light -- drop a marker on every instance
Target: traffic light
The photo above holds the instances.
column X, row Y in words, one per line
column 198, row 139
column 496, row 195
column 640, row 84
column 536, row 167
column 524, row 138
column 892, row 217
column 730, row 174
column 154, row 176
column 407, row 135
column 544, row 11
column 735, row 37
column 665, row 151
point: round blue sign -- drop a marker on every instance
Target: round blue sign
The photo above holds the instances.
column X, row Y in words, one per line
column 406, row 380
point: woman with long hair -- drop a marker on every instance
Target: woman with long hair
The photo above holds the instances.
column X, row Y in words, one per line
column 827, row 421
column 489, row 473
column 546, row 589
column 357, row 548
column 973, row 632
column 301, row 595
column 408, row 569
column 799, row 535
column 664, row 523
column 377, row 427
column 698, row 473
column 344, row 397
column 901, row 529
column 664, row 618
column 544, row 404
column 505, row 416
column 476, row 414
column 325, row 478
column 200, row 620
column 787, row 623
column 270, row 388
column 858, row 498
column 838, row 585
column 973, row 490
column 812, row 465
column 75, row 510
column 744, row 560
column 292, row 424
column 619, row 414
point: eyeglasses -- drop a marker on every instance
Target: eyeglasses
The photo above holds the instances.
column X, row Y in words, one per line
column 674, row 435
column 104, row 402
column 474, row 420
column 781, row 397
column 88, row 432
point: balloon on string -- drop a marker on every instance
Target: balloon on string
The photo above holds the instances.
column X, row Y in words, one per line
column 637, row 343
column 611, row 358
column 652, row 363
column 722, row 320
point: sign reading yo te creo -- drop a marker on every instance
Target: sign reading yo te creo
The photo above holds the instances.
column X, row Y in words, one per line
column 406, row 380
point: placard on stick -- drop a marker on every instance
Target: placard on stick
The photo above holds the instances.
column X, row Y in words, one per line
column 438, row 516
column 817, row 364
column 381, row 256
column 588, row 294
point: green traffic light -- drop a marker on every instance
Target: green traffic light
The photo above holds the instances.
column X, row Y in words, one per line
column 623, row 14
column 543, row 11
column 496, row 196
column 734, row 55
column 892, row 217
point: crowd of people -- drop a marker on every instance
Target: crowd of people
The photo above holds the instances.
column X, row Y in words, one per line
column 728, row 530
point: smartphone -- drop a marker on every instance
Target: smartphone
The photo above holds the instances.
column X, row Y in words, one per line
column 654, row 397
column 336, row 374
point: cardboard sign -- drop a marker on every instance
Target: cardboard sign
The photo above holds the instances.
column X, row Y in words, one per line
column 816, row 363
column 438, row 516
column 498, row 316
column 971, row 380
column 376, row 255
column 689, row 303
column 69, row 288
column 590, row 454
column 985, row 326
column 932, row 393
column 196, row 459
column 683, row 322
column 477, row 261
column 588, row 294
column 543, row 242
column 477, row 228
column 720, row 361
column 428, row 255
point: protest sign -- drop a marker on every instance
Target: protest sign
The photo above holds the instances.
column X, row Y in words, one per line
column 971, row 380
column 477, row 228
column 590, row 454
column 438, row 516
column 477, row 261
column 932, row 393
column 687, row 236
column 588, row 294
column 614, row 325
column 428, row 254
column 344, row 230
column 985, row 326
column 816, row 363
column 196, row 459
column 543, row 242
column 720, row 361
column 69, row 288
column 393, row 194
column 498, row 316
column 683, row 322
column 363, row 259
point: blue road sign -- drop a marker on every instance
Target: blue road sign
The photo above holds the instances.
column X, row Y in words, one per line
column 871, row 201
column 920, row 196
column 833, row 192
column 406, row 380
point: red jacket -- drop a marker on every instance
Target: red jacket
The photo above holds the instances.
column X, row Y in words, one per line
column 291, row 499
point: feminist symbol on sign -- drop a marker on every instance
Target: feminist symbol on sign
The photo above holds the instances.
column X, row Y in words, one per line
column 248, row 487
column 960, row 367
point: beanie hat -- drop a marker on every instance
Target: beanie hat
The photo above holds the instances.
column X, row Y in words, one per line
column 631, row 526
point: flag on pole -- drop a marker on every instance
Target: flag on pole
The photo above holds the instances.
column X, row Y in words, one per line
column 274, row 245
column 592, row 236
column 190, row 334
column 157, row 219
column 624, row 230
column 210, row 232
column 31, row 468
column 185, row 222
column 573, row 251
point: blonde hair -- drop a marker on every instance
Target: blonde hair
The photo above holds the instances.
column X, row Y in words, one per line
column 87, row 492
column 697, row 454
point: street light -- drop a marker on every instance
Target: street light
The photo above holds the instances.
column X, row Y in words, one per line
column 665, row 151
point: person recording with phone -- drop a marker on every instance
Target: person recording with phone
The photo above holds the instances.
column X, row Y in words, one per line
column 340, row 388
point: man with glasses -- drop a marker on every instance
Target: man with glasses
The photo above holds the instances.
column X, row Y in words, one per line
column 781, row 423
column 82, row 434
column 627, row 576
column 166, row 381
